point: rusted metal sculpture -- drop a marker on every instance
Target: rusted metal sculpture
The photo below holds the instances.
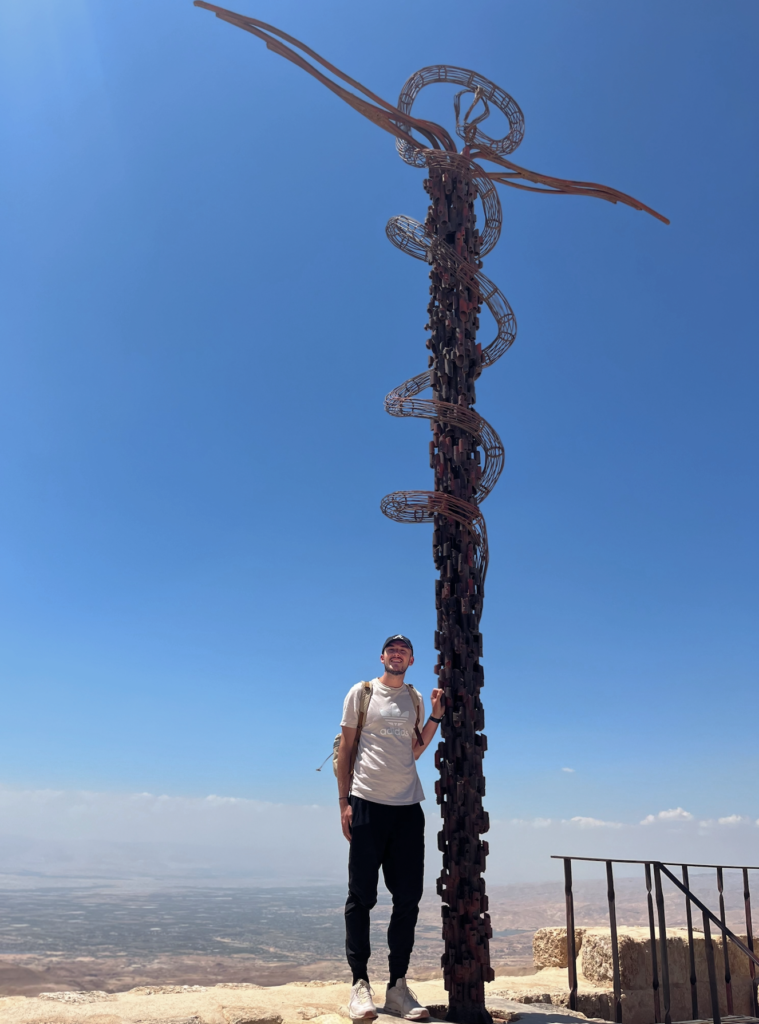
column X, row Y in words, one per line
column 466, row 453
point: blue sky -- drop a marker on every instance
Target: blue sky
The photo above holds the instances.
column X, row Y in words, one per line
column 201, row 315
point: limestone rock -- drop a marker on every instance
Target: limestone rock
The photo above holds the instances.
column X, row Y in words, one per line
column 314, row 984
column 163, row 990
column 236, row 984
column 595, row 973
column 634, row 957
column 250, row 1015
column 76, row 997
column 170, row 1020
column 549, row 946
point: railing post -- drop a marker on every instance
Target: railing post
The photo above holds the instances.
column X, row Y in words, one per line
column 652, row 933
column 709, row 950
column 691, row 950
column 750, row 941
column 571, row 951
column 663, row 943
column 725, row 950
column 614, row 943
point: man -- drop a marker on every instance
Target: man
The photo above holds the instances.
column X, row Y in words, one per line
column 382, row 819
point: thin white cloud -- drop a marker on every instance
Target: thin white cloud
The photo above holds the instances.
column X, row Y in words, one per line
column 521, row 849
column 673, row 814
column 571, row 770
column 582, row 822
column 731, row 820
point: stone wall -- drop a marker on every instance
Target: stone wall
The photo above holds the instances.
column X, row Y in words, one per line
column 595, row 972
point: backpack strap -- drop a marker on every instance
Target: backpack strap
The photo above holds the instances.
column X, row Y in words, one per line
column 366, row 696
column 416, row 700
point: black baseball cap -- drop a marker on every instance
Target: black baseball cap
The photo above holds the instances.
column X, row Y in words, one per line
column 399, row 638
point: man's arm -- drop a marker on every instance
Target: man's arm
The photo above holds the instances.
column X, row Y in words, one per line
column 430, row 727
column 343, row 778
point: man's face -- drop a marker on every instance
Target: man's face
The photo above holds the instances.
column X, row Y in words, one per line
column 396, row 658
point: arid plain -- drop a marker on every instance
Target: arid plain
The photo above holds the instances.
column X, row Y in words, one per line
column 113, row 938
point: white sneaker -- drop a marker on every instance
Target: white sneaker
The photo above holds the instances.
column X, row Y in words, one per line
column 401, row 1002
column 361, row 1005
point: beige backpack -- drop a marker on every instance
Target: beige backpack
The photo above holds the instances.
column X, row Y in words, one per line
column 366, row 696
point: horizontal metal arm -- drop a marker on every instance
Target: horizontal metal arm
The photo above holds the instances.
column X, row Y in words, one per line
column 400, row 123
column 672, row 863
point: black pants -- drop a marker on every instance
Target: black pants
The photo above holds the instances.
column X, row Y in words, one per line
column 391, row 838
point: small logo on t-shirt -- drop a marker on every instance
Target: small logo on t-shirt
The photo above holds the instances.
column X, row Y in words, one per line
column 393, row 712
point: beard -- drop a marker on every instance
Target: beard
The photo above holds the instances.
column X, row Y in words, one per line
column 394, row 671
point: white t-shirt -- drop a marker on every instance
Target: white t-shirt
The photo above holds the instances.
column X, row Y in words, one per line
column 385, row 769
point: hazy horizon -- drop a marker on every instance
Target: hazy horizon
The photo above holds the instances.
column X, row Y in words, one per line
column 64, row 833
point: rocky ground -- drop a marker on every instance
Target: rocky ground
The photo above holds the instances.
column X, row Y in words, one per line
column 322, row 1002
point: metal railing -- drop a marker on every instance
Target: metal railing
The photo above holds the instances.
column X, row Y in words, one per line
column 661, row 981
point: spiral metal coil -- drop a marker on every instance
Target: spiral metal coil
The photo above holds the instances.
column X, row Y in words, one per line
column 413, row 238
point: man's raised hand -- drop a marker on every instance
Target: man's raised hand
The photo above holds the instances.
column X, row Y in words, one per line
column 437, row 703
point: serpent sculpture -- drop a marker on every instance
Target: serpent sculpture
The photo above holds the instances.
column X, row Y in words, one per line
column 466, row 453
